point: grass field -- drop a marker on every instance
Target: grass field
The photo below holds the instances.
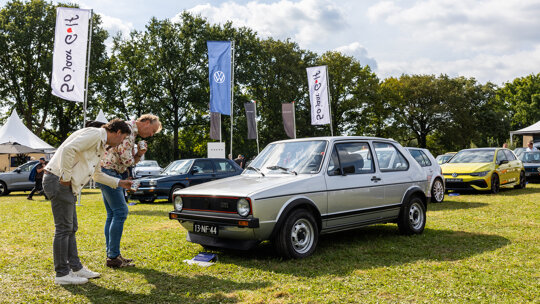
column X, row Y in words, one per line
column 475, row 248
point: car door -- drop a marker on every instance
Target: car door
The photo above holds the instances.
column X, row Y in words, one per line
column 352, row 185
column 202, row 171
column 515, row 165
column 504, row 168
column 395, row 176
column 19, row 179
column 223, row 168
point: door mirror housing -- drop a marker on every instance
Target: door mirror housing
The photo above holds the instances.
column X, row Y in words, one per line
column 502, row 162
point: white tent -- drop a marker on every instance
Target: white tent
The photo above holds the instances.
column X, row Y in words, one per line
column 15, row 131
column 530, row 130
column 101, row 117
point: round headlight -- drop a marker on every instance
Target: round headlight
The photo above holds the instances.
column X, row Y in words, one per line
column 242, row 206
column 178, row 204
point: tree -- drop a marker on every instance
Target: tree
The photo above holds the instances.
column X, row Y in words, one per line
column 523, row 99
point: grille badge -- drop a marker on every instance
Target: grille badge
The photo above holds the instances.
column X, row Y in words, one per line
column 454, row 174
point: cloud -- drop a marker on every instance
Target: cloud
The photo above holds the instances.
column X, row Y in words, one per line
column 307, row 22
column 356, row 50
column 114, row 25
column 483, row 67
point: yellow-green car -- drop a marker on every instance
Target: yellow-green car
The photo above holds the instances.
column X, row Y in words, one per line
column 484, row 169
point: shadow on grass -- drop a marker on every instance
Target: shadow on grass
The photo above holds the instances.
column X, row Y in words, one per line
column 370, row 247
column 450, row 205
column 167, row 288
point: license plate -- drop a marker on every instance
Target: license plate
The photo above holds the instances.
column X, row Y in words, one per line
column 138, row 192
column 454, row 180
column 205, row 229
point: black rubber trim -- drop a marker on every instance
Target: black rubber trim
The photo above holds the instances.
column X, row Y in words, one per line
column 215, row 219
column 361, row 211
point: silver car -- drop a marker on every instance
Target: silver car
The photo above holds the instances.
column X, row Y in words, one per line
column 17, row 180
column 297, row 189
column 433, row 171
column 146, row 168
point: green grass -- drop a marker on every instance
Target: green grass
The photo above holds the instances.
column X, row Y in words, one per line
column 476, row 248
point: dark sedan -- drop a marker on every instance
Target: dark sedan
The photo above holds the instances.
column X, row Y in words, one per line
column 531, row 162
column 181, row 174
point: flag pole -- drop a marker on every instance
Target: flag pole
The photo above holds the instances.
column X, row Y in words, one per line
column 232, row 90
column 86, row 86
column 329, row 101
column 294, row 117
column 256, row 127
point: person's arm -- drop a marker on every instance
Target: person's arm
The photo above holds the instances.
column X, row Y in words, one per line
column 126, row 157
column 39, row 170
column 110, row 181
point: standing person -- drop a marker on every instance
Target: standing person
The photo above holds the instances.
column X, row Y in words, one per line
column 38, row 179
column 530, row 146
column 115, row 163
column 505, row 145
column 71, row 167
column 240, row 160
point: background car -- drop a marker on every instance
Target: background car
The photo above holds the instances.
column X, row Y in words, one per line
column 297, row 189
column 531, row 162
column 433, row 171
column 518, row 151
column 484, row 169
column 146, row 168
column 443, row 158
column 17, row 180
column 181, row 174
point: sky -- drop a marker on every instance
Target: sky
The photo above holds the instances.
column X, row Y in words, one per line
column 489, row 40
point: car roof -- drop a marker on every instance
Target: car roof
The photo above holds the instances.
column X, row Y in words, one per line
column 334, row 138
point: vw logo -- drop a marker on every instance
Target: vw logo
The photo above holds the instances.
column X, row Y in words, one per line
column 454, row 174
column 219, row 77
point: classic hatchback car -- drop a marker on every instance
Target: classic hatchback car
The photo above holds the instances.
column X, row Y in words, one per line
column 181, row 174
column 433, row 171
column 531, row 162
column 146, row 168
column 484, row 169
column 17, row 180
column 297, row 189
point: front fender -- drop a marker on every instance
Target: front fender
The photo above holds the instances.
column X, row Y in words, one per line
column 294, row 203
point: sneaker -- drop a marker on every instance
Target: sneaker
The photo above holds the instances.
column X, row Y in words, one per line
column 118, row 262
column 125, row 259
column 86, row 273
column 70, row 279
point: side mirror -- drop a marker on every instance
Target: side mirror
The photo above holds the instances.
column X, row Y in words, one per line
column 502, row 162
column 194, row 171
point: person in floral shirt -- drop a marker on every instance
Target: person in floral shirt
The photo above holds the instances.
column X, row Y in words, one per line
column 116, row 162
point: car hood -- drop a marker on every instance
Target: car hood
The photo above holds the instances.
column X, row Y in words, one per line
column 258, row 186
column 162, row 177
column 465, row 168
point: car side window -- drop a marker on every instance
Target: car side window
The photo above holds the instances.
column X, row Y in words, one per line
column 420, row 157
column 223, row 166
column 352, row 158
column 27, row 167
column 203, row 166
column 389, row 158
column 500, row 156
column 509, row 155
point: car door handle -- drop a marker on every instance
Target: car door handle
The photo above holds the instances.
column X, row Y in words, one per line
column 375, row 179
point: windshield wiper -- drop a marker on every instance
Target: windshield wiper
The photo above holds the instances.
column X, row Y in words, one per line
column 255, row 169
column 281, row 168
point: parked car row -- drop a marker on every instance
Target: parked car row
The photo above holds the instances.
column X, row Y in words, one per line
column 17, row 180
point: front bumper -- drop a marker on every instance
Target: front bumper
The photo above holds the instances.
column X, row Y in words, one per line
column 215, row 220
column 468, row 183
column 146, row 193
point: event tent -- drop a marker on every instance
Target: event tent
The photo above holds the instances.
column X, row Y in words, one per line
column 533, row 129
column 101, row 117
column 15, row 131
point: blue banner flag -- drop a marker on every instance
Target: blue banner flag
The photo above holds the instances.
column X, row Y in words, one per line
column 219, row 66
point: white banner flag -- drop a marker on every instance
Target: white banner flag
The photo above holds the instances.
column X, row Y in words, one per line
column 318, row 95
column 69, row 57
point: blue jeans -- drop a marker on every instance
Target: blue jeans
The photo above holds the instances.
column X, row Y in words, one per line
column 117, row 212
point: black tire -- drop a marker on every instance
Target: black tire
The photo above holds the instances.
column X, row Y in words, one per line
column 146, row 201
column 437, row 191
column 412, row 217
column 298, row 236
column 495, row 184
column 3, row 189
column 522, row 181
column 173, row 189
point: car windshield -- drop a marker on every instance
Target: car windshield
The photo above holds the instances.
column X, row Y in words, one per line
column 178, row 167
column 147, row 163
column 297, row 157
column 530, row 157
column 473, row 156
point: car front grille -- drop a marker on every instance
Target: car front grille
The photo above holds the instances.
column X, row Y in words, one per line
column 210, row 203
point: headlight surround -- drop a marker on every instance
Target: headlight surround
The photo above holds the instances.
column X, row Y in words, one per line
column 178, row 203
column 152, row 182
column 481, row 174
column 243, row 208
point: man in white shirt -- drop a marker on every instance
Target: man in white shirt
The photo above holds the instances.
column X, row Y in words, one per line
column 71, row 167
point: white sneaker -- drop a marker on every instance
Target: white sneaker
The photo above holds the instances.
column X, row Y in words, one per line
column 70, row 279
column 86, row 273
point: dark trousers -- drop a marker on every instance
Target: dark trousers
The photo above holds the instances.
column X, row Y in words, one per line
column 63, row 201
column 38, row 187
